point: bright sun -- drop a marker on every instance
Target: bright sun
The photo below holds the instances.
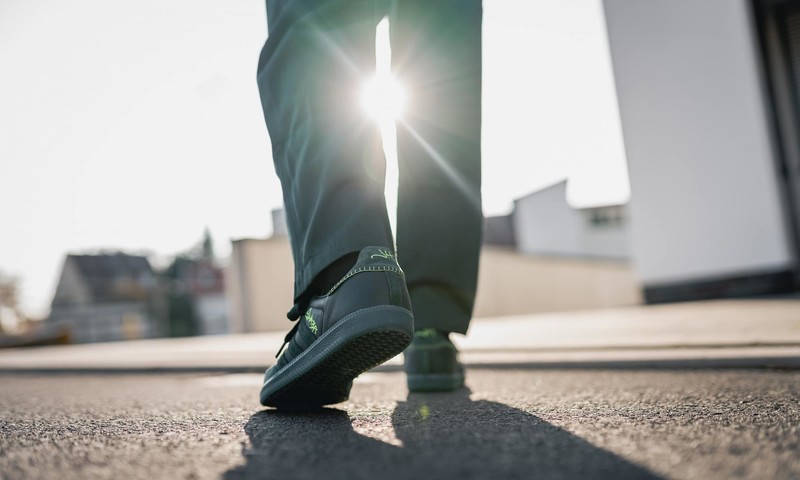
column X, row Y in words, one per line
column 383, row 98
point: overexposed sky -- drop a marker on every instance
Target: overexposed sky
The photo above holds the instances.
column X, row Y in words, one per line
column 134, row 125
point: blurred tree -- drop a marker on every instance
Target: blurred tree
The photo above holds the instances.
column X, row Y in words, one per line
column 208, row 245
column 181, row 318
column 8, row 291
column 184, row 278
column 11, row 318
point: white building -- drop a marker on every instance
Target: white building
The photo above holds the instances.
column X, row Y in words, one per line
column 545, row 224
column 708, row 97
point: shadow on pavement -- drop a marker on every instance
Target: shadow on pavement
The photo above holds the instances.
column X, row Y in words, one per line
column 442, row 435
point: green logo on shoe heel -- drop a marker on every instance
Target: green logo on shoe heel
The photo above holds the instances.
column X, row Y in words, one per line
column 312, row 325
column 426, row 333
column 383, row 254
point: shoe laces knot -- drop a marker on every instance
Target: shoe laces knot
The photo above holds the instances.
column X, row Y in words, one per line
column 293, row 314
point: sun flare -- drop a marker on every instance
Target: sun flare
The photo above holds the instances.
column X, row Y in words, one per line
column 383, row 98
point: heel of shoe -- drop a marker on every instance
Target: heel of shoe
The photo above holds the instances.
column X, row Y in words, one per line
column 323, row 374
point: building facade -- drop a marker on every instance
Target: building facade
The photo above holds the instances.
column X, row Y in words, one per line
column 545, row 224
column 105, row 297
column 708, row 97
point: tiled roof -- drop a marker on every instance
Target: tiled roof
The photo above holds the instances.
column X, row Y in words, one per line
column 103, row 275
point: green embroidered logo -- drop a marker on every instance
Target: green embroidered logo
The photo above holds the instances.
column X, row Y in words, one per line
column 312, row 325
column 383, row 254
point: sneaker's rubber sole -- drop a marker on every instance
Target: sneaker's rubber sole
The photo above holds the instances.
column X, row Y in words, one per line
column 434, row 382
column 323, row 373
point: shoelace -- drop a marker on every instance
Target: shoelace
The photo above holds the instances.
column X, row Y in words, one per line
column 293, row 314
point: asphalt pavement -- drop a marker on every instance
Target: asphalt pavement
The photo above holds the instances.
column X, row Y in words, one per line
column 509, row 423
column 707, row 390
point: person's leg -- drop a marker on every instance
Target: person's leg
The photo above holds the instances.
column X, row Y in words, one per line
column 326, row 152
column 436, row 54
column 351, row 303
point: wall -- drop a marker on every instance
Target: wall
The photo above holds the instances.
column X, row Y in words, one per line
column 510, row 283
column 513, row 284
column 259, row 284
column 704, row 192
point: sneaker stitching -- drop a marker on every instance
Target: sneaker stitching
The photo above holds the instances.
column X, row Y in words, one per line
column 382, row 253
column 383, row 268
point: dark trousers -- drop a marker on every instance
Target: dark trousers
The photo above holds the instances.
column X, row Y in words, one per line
column 328, row 153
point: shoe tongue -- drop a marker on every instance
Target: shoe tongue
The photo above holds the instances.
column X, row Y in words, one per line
column 377, row 255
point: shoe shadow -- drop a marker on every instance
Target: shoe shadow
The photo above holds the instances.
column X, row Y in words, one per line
column 443, row 436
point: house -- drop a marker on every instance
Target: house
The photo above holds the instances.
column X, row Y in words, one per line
column 105, row 297
column 545, row 224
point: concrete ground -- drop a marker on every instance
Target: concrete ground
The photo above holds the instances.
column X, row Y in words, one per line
column 742, row 333
column 697, row 391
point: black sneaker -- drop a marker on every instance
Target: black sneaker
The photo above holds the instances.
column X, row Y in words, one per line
column 363, row 321
column 431, row 363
